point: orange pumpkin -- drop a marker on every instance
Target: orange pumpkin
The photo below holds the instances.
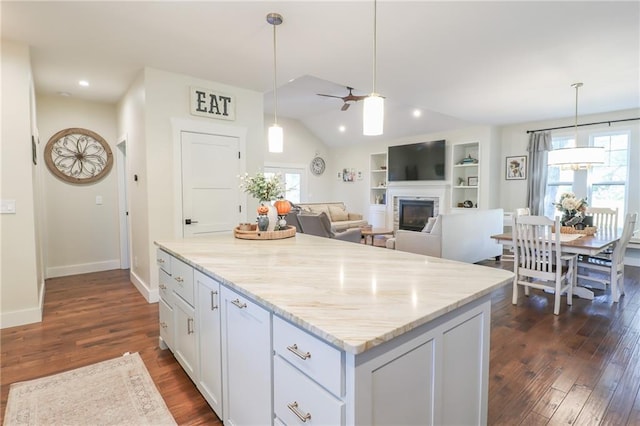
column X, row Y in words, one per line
column 283, row 207
column 263, row 209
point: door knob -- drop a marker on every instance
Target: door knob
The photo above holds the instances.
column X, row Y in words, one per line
column 189, row 221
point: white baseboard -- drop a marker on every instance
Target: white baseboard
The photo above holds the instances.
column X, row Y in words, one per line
column 83, row 268
column 151, row 295
column 23, row 316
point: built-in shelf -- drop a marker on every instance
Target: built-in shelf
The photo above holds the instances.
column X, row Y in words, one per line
column 463, row 172
column 378, row 189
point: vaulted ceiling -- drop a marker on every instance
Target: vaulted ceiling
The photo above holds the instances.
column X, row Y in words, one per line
column 460, row 63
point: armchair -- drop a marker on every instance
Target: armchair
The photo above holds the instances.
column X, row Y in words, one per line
column 320, row 225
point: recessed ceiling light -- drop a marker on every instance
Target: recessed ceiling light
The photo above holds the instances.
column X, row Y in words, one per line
column 83, row 83
column 417, row 113
column 342, row 129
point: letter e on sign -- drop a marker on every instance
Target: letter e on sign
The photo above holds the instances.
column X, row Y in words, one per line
column 207, row 103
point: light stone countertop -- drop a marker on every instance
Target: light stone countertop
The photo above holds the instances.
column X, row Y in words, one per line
column 355, row 296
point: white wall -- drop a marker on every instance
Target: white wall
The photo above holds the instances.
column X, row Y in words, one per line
column 154, row 99
column 300, row 147
column 131, row 125
column 82, row 236
column 21, row 275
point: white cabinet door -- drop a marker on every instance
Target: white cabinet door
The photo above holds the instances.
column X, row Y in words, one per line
column 208, row 317
column 166, row 325
column 185, row 337
column 246, row 361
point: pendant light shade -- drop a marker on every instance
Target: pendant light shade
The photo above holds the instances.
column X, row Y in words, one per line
column 373, row 108
column 276, row 138
column 578, row 158
column 373, row 115
column 275, row 135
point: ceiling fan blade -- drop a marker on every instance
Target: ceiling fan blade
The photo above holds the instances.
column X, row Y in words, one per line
column 345, row 106
column 329, row 96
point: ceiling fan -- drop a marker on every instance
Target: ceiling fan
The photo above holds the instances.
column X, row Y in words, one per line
column 346, row 99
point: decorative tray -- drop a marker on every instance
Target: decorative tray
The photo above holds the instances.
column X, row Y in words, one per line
column 589, row 230
column 254, row 234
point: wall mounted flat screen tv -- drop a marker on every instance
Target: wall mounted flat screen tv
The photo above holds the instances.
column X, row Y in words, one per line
column 418, row 161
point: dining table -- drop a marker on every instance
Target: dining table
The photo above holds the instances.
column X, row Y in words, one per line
column 581, row 244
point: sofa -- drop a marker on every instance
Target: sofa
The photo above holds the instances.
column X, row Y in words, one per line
column 318, row 224
column 464, row 236
column 341, row 219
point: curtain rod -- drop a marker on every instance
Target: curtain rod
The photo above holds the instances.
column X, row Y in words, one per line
column 585, row 124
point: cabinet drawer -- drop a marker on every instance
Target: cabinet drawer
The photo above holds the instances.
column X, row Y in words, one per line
column 315, row 358
column 165, row 287
column 163, row 259
column 296, row 393
column 166, row 323
column 182, row 275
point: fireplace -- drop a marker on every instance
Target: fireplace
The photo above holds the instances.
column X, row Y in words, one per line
column 413, row 213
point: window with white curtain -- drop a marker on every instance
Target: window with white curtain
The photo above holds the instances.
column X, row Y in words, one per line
column 604, row 185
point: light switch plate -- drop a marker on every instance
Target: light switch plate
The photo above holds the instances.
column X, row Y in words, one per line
column 99, row 200
column 8, row 206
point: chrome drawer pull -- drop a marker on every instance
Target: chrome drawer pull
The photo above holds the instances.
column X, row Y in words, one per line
column 213, row 305
column 163, row 287
column 239, row 304
column 163, row 324
column 160, row 260
column 294, row 407
column 190, row 326
column 179, row 279
column 294, row 348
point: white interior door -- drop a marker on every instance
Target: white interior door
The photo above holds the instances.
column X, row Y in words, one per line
column 210, row 169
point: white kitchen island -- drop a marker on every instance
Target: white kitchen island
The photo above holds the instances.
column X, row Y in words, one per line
column 310, row 330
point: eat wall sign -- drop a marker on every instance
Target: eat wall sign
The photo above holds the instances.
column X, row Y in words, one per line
column 207, row 103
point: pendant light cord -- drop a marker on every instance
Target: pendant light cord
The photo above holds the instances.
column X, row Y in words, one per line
column 577, row 86
column 275, row 68
column 375, row 42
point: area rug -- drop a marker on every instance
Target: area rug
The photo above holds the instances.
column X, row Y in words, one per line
column 119, row 391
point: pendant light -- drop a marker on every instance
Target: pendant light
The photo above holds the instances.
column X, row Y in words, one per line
column 578, row 158
column 373, row 108
column 275, row 135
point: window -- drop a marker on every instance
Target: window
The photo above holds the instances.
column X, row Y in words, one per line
column 607, row 182
column 292, row 180
column 604, row 185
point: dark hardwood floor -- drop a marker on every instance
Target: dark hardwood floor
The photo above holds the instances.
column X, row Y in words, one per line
column 581, row 367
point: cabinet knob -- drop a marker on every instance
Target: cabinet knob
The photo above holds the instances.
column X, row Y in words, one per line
column 294, row 407
column 294, row 348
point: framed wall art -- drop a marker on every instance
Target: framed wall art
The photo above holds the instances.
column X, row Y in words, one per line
column 516, row 168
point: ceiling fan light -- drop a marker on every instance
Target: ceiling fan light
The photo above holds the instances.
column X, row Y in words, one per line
column 373, row 115
column 276, row 138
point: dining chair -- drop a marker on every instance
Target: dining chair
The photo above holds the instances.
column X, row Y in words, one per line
column 538, row 259
column 605, row 218
column 609, row 269
column 520, row 211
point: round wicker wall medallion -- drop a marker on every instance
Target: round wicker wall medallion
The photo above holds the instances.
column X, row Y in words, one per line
column 78, row 156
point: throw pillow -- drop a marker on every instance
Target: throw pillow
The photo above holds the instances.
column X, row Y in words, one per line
column 429, row 225
column 321, row 208
column 337, row 213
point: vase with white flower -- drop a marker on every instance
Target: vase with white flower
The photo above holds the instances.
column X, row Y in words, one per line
column 573, row 209
column 266, row 190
